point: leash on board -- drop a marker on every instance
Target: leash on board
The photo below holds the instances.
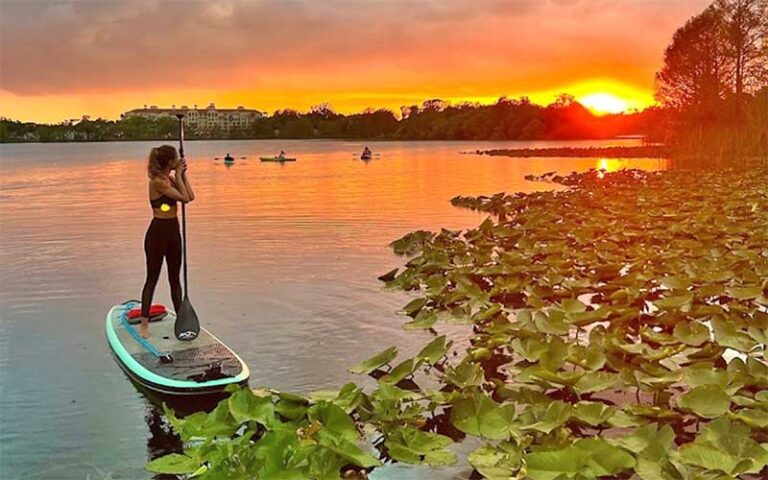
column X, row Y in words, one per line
column 164, row 357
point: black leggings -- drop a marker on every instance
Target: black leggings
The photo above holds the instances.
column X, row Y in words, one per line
column 162, row 240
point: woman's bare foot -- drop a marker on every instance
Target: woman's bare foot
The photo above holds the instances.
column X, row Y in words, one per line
column 144, row 327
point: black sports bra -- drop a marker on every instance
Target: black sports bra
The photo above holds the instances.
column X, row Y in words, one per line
column 163, row 199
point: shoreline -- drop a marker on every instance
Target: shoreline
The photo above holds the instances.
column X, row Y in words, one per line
column 650, row 151
column 342, row 139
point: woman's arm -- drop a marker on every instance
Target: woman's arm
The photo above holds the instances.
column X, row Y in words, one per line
column 163, row 186
column 185, row 181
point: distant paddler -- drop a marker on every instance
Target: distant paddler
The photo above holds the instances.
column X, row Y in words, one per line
column 280, row 158
column 229, row 158
column 367, row 154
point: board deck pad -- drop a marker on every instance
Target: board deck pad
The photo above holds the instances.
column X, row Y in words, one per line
column 203, row 363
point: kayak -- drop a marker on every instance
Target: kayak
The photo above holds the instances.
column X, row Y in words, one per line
column 229, row 160
column 166, row 365
column 366, row 157
column 276, row 159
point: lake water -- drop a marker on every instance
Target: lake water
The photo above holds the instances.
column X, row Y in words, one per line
column 283, row 265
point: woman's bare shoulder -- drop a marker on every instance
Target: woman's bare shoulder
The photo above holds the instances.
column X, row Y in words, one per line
column 159, row 183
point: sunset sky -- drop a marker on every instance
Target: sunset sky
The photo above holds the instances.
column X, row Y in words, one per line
column 64, row 59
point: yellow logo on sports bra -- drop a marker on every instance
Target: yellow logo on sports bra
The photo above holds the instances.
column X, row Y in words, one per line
column 165, row 207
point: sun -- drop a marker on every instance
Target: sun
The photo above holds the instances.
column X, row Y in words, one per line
column 603, row 103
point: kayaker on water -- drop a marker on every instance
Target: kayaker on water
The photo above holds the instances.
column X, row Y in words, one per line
column 163, row 239
column 229, row 158
column 282, row 154
column 367, row 152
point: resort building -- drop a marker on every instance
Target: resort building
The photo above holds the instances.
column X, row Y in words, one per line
column 201, row 119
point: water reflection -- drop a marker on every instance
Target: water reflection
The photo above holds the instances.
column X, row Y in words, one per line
column 162, row 441
column 283, row 266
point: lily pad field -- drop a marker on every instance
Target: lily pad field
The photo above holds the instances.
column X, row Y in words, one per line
column 618, row 330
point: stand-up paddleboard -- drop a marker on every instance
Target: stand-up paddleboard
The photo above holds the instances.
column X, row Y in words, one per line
column 166, row 365
column 277, row 159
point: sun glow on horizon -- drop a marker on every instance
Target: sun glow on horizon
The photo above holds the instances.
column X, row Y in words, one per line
column 600, row 95
column 604, row 103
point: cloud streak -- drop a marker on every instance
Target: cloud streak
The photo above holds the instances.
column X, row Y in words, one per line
column 477, row 47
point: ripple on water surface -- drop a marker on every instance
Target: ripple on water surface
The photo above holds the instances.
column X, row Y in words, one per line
column 283, row 265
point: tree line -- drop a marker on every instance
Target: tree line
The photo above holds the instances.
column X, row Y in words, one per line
column 507, row 119
column 713, row 85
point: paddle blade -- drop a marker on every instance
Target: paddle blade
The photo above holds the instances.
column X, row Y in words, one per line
column 187, row 326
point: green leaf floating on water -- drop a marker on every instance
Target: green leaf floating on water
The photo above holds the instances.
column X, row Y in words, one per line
column 218, row 423
column 708, row 401
column 651, row 446
column 477, row 414
column 348, row 397
column 277, row 454
column 753, row 417
column 389, row 276
column 334, row 420
column 423, row 320
column 552, row 323
column 401, row 371
column 466, row 374
column 347, row 450
column 705, row 374
column 375, row 362
column 173, row 463
column 745, row 293
column 596, row 382
column 682, row 302
column 531, row 349
column 727, row 447
column 593, row 413
column 545, row 418
column 676, row 282
column 434, row 350
column 414, row 306
column 497, row 462
column 691, row 333
column 589, row 457
column 646, row 436
column 409, row 445
column 244, row 406
column 730, row 335
column 324, row 464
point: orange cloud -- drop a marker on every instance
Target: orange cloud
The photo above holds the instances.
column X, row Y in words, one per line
column 62, row 59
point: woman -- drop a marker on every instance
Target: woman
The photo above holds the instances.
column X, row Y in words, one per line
column 163, row 239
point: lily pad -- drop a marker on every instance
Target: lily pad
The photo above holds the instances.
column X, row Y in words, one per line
column 590, row 458
column 375, row 362
column 476, row 414
column 708, row 401
column 409, row 445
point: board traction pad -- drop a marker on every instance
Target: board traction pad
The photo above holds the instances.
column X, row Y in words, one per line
column 192, row 361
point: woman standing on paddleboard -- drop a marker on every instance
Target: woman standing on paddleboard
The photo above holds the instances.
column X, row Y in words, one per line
column 163, row 239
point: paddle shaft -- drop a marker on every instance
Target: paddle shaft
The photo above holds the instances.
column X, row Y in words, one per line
column 183, row 209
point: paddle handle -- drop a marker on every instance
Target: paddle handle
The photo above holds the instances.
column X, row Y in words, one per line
column 183, row 208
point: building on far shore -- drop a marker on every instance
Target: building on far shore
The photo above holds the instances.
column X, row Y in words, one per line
column 225, row 119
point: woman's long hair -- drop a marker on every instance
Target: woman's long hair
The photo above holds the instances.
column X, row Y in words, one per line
column 159, row 159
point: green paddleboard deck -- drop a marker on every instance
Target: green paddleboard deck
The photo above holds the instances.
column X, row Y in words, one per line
column 201, row 366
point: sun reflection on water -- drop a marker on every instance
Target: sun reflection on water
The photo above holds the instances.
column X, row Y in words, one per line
column 606, row 165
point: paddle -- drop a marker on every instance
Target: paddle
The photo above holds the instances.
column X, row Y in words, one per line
column 187, row 326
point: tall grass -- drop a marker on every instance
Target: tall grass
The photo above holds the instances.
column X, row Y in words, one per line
column 733, row 134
